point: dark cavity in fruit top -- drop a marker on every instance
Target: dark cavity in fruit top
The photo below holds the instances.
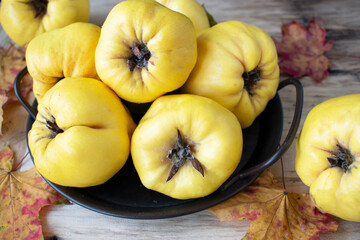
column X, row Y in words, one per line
column 40, row 7
column 139, row 58
column 341, row 157
column 250, row 79
column 179, row 154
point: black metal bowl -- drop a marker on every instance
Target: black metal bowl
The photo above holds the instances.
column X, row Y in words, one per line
column 125, row 196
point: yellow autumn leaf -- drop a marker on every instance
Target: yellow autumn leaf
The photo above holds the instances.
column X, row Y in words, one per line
column 22, row 196
column 275, row 213
column 12, row 61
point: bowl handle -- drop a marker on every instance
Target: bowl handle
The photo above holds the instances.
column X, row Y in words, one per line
column 287, row 142
column 20, row 97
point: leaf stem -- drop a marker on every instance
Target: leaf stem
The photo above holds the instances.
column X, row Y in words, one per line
column 17, row 166
column 282, row 173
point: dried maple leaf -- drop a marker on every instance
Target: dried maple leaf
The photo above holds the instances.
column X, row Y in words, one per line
column 275, row 213
column 302, row 50
column 22, row 195
column 12, row 60
column 3, row 99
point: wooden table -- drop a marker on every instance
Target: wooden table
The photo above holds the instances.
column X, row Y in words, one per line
column 341, row 19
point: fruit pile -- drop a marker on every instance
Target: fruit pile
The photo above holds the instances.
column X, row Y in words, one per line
column 203, row 85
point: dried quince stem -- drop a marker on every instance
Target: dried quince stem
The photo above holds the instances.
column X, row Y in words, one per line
column 178, row 154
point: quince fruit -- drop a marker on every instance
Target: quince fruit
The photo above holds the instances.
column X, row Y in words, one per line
column 237, row 66
column 23, row 20
column 186, row 146
column 81, row 136
column 190, row 8
column 145, row 50
column 61, row 53
column 328, row 156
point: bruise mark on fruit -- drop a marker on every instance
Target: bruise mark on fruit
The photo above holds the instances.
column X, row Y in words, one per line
column 179, row 153
column 250, row 80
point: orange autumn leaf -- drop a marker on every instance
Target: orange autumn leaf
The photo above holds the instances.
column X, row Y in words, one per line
column 275, row 213
column 302, row 50
column 22, row 195
column 12, row 61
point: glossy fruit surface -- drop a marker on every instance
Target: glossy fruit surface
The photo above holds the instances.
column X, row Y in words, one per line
column 23, row 20
column 186, row 146
column 145, row 50
column 81, row 136
column 61, row 53
column 237, row 67
column 190, row 8
column 328, row 156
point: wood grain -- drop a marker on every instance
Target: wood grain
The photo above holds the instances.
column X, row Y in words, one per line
column 342, row 22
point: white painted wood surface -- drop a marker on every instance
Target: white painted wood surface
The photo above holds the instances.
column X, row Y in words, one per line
column 342, row 22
